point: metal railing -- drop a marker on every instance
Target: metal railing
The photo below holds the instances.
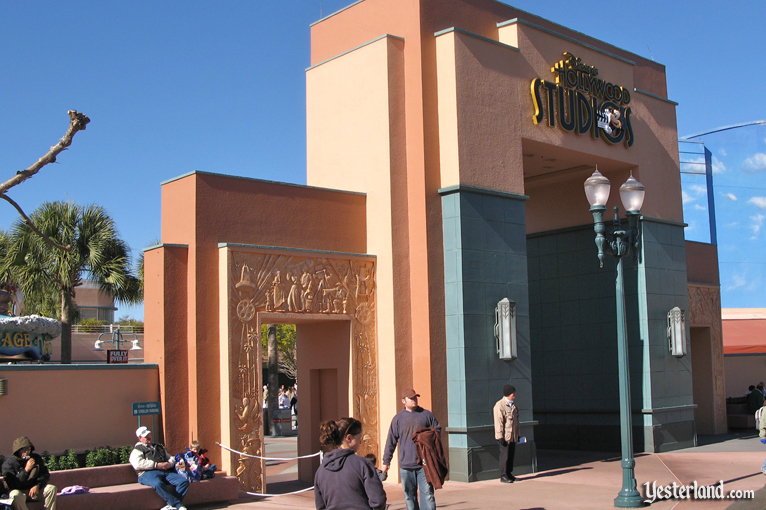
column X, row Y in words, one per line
column 106, row 328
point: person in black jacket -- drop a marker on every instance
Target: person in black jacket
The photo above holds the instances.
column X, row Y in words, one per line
column 25, row 471
column 346, row 481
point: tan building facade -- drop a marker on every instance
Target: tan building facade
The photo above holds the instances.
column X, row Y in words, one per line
column 448, row 142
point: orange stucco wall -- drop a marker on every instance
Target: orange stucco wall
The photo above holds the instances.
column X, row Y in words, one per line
column 702, row 263
column 324, row 365
column 367, row 114
column 182, row 318
column 74, row 407
column 165, row 323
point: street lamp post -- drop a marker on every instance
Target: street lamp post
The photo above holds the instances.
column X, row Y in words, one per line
column 619, row 243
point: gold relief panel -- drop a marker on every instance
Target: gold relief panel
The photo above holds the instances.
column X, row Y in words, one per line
column 285, row 281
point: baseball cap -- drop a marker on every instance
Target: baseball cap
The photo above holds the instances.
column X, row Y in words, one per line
column 410, row 393
column 143, row 431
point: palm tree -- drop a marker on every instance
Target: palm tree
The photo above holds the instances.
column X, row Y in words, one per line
column 95, row 251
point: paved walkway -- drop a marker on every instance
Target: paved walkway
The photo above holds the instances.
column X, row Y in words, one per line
column 570, row 481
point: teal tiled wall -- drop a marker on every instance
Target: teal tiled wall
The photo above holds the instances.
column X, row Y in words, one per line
column 485, row 260
column 573, row 331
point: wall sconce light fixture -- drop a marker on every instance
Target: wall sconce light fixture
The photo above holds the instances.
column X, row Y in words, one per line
column 505, row 329
column 677, row 332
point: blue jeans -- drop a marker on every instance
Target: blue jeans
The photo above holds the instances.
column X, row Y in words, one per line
column 170, row 486
column 412, row 480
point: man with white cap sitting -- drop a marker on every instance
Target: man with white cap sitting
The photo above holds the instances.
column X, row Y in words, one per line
column 155, row 468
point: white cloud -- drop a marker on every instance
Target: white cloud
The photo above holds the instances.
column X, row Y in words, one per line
column 723, row 152
column 718, row 166
column 737, row 281
column 693, row 166
column 697, row 165
column 699, row 189
column 731, row 196
column 741, row 280
column 687, row 197
column 759, row 202
column 755, row 163
column 756, row 226
column 732, row 224
column 700, row 207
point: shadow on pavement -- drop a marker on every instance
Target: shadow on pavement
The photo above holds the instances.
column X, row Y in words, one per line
column 556, row 459
column 555, row 472
column 285, row 486
column 732, row 434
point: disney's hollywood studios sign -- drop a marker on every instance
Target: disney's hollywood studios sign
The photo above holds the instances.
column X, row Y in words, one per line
column 580, row 101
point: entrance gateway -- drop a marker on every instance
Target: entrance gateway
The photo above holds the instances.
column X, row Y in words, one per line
column 447, row 145
column 291, row 286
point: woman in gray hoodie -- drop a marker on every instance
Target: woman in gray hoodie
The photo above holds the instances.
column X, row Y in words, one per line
column 346, row 481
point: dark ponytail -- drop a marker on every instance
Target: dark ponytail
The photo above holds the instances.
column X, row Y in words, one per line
column 332, row 432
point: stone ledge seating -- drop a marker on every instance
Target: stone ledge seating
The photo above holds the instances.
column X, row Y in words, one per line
column 116, row 488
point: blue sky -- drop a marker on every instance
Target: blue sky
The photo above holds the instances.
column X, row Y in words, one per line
column 739, row 193
column 220, row 86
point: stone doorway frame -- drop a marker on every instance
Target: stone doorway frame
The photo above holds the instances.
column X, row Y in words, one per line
column 257, row 281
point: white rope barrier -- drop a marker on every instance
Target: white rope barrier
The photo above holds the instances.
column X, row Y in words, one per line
column 274, row 458
column 269, row 458
column 285, row 494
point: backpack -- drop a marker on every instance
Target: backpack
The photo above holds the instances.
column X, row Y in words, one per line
column 758, row 419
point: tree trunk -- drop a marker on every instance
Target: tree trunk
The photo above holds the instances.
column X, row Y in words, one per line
column 273, row 370
column 66, row 329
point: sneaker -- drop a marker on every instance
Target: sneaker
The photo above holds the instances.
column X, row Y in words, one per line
column 505, row 479
column 181, row 508
column 168, row 507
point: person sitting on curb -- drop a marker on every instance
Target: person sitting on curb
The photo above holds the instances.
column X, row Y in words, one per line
column 155, row 469
column 194, row 464
column 27, row 477
column 13, row 500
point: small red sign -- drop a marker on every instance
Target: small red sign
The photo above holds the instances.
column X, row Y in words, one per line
column 117, row 356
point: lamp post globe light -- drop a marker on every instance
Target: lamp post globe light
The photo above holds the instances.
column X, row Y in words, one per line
column 618, row 243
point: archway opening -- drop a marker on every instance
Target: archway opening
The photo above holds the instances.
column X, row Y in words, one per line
column 323, row 379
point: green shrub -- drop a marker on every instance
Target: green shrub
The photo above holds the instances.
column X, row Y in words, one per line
column 102, row 457
column 69, row 461
column 51, row 462
column 129, row 321
column 124, row 454
column 90, row 325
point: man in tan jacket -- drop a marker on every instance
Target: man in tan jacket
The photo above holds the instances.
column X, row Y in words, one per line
column 506, row 416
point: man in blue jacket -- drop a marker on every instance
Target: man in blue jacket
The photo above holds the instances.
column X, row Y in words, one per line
column 403, row 426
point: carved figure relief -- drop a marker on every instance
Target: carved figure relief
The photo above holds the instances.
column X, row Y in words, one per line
column 294, row 283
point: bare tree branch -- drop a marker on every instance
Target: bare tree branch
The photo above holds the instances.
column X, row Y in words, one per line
column 77, row 122
column 36, row 230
